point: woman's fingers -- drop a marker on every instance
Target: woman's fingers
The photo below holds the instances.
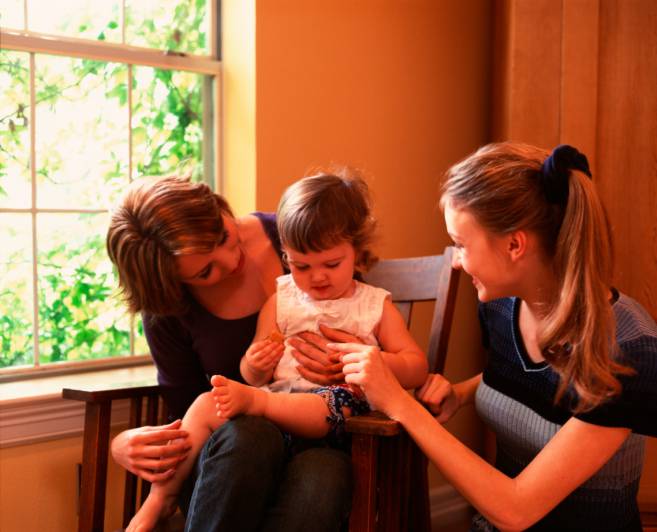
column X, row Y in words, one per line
column 310, row 364
column 170, row 426
column 158, row 452
column 153, row 464
column 428, row 388
column 349, row 347
column 337, row 335
column 321, row 378
column 156, row 438
column 438, row 395
column 314, row 339
column 312, row 347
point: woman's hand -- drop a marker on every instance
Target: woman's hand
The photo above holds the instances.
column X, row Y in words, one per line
column 319, row 363
column 364, row 366
column 438, row 394
column 151, row 453
column 263, row 356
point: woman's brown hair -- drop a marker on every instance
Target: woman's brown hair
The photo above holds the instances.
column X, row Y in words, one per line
column 157, row 220
column 322, row 210
column 503, row 187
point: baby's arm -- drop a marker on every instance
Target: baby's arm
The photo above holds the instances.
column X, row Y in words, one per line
column 400, row 351
column 257, row 365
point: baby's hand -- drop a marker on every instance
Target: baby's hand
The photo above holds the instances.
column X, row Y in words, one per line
column 263, row 356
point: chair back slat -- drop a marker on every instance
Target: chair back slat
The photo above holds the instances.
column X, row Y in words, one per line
column 415, row 279
column 410, row 279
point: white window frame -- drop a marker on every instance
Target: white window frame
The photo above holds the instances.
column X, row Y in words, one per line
column 34, row 43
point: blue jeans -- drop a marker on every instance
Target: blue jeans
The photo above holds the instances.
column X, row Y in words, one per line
column 247, row 480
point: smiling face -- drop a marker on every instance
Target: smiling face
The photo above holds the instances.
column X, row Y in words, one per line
column 324, row 274
column 208, row 269
column 480, row 254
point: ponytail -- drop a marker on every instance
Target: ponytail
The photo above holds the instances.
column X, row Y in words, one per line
column 512, row 186
column 577, row 336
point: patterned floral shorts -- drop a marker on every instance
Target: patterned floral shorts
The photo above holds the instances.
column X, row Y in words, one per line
column 338, row 397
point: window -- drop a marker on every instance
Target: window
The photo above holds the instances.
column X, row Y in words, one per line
column 93, row 94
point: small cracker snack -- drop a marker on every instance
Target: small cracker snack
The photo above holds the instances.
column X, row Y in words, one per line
column 276, row 336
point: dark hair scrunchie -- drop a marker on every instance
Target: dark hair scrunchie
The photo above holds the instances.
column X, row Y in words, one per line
column 555, row 172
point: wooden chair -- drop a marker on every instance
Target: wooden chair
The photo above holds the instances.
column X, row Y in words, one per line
column 390, row 473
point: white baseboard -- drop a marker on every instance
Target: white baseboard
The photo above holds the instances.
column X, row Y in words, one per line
column 447, row 507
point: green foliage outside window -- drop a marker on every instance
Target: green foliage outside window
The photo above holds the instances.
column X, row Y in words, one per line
column 85, row 137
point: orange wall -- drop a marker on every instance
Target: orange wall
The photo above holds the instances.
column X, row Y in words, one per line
column 38, row 487
column 398, row 89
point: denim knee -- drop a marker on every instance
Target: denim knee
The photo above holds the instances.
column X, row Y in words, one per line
column 238, row 473
column 252, row 438
column 314, row 493
column 327, row 482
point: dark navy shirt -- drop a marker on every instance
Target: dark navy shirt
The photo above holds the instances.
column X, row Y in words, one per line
column 188, row 349
column 516, row 399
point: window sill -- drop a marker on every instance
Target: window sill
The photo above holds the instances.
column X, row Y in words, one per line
column 33, row 410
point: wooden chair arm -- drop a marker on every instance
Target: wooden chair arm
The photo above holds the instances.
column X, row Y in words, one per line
column 111, row 392
column 375, row 423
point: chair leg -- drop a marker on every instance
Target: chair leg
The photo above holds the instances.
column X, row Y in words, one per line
column 420, row 510
column 130, row 491
column 152, row 403
column 94, row 468
column 393, row 483
column 364, row 451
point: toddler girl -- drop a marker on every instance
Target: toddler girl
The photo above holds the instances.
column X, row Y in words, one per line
column 326, row 228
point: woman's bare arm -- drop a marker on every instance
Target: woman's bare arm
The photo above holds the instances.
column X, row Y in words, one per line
column 574, row 454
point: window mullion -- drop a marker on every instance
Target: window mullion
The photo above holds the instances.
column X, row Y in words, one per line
column 35, row 272
column 123, row 22
column 130, row 178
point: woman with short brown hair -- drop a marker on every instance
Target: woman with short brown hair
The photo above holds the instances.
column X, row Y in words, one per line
column 199, row 276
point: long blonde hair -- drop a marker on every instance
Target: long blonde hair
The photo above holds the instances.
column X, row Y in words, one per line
column 157, row 220
column 504, row 187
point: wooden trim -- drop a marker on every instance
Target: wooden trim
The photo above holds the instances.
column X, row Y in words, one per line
column 579, row 76
column 104, row 51
column 49, row 419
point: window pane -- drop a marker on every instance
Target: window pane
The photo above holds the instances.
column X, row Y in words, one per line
column 16, row 296
column 89, row 19
column 81, row 132
column 11, row 14
column 14, row 129
column 141, row 345
column 167, row 122
column 78, row 318
column 179, row 25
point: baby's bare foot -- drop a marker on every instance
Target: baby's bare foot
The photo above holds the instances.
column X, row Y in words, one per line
column 234, row 398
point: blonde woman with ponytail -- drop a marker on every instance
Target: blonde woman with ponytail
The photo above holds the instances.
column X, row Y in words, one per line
column 570, row 388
